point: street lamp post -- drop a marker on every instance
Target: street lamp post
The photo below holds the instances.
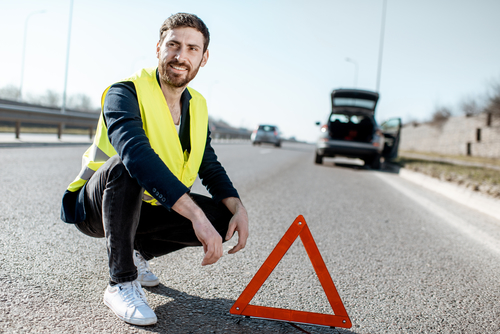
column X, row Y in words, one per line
column 381, row 47
column 24, row 51
column 355, row 70
column 63, row 108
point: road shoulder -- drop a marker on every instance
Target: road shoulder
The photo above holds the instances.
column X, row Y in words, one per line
column 462, row 195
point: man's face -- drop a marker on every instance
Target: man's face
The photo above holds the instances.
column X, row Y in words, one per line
column 180, row 56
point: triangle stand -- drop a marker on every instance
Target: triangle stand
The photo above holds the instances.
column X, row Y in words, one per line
column 242, row 306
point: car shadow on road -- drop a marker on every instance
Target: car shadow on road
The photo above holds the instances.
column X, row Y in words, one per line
column 387, row 167
column 297, row 147
column 185, row 313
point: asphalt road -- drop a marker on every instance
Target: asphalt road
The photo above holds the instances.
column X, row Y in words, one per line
column 403, row 258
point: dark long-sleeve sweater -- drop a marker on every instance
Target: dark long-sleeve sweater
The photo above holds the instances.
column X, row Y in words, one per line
column 126, row 134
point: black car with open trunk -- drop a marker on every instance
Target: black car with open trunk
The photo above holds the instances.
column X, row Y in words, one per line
column 352, row 131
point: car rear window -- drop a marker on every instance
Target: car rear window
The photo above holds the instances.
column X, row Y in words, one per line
column 267, row 128
column 350, row 102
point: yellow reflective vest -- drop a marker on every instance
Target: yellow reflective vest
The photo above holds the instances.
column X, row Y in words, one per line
column 160, row 130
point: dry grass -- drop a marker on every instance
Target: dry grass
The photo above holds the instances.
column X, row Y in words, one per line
column 484, row 180
column 467, row 159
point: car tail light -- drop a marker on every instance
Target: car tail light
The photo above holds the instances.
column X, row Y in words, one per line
column 380, row 134
column 275, row 133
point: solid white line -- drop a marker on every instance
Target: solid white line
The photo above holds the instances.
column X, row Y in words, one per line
column 458, row 223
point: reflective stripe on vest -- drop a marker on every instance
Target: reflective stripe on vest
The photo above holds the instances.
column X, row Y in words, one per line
column 160, row 130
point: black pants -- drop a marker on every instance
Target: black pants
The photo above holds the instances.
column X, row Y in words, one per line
column 115, row 210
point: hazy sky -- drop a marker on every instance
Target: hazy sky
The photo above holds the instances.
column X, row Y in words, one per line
column 270, row 61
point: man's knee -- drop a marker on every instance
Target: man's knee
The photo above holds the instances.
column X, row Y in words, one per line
column 118, row 173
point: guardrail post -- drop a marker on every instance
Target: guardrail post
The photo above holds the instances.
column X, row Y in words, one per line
column 91, row 132
column 59, row 130
column 18, row 129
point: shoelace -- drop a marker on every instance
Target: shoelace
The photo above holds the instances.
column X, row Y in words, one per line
column 141, row 292
column 132, row 295
column 143, row 264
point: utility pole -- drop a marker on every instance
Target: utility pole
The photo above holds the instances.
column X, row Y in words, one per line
column 63, row 108
column 381, row 47
column 24, row 52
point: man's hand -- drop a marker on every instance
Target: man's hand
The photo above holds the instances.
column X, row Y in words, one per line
column 210, row 239
column 238, row 223
column 204, row 230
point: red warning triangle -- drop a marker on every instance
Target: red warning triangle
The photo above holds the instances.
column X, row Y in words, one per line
column 242, row 307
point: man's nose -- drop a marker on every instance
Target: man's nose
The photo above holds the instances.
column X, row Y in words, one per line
column 180, row 55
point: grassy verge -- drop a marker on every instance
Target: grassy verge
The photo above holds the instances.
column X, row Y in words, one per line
column 463, row 158
column 481, row 179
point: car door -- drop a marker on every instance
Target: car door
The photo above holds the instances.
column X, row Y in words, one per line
column 391, row 130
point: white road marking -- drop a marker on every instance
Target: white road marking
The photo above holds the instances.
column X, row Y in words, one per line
column 458, row 223
column 472, row 199
column 265, row 151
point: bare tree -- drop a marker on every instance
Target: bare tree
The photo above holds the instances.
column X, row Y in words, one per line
column 10, row 92
column 470, row 107
column 81, row 102
column 50, row 99
column 441, row 114
column 412, row 121
column 493, row 104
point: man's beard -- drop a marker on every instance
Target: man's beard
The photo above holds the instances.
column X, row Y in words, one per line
column 179, row 80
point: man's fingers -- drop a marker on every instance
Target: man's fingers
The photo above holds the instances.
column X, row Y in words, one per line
column 242, row 241
column 213, row 253
column 208, row 258
column 230, row 230
column 235, row 249
column 208, row 254
column 239, row 246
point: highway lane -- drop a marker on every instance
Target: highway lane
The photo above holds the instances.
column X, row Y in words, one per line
column 404, row 259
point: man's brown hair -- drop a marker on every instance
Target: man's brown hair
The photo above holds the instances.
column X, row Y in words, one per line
column 180, row 20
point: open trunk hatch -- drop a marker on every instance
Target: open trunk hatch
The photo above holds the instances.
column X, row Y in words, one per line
column 354, row 98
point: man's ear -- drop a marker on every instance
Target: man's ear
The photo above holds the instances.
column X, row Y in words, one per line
column 205, row 59
column 158, row 50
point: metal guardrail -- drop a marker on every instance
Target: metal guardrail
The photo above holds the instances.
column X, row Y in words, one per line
column 24, row 113
column 219, row 132
column 33, row 114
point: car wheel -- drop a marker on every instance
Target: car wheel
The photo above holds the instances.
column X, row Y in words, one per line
column 319, row 159
column 375, row 163
column 277, row 144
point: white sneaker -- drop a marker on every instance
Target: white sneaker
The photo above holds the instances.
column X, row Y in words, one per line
column 128, row 301
column 145, row 276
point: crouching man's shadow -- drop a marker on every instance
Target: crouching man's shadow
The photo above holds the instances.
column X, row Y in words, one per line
column 185, row 313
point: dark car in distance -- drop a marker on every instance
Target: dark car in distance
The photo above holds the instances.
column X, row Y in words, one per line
column 351, row 130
